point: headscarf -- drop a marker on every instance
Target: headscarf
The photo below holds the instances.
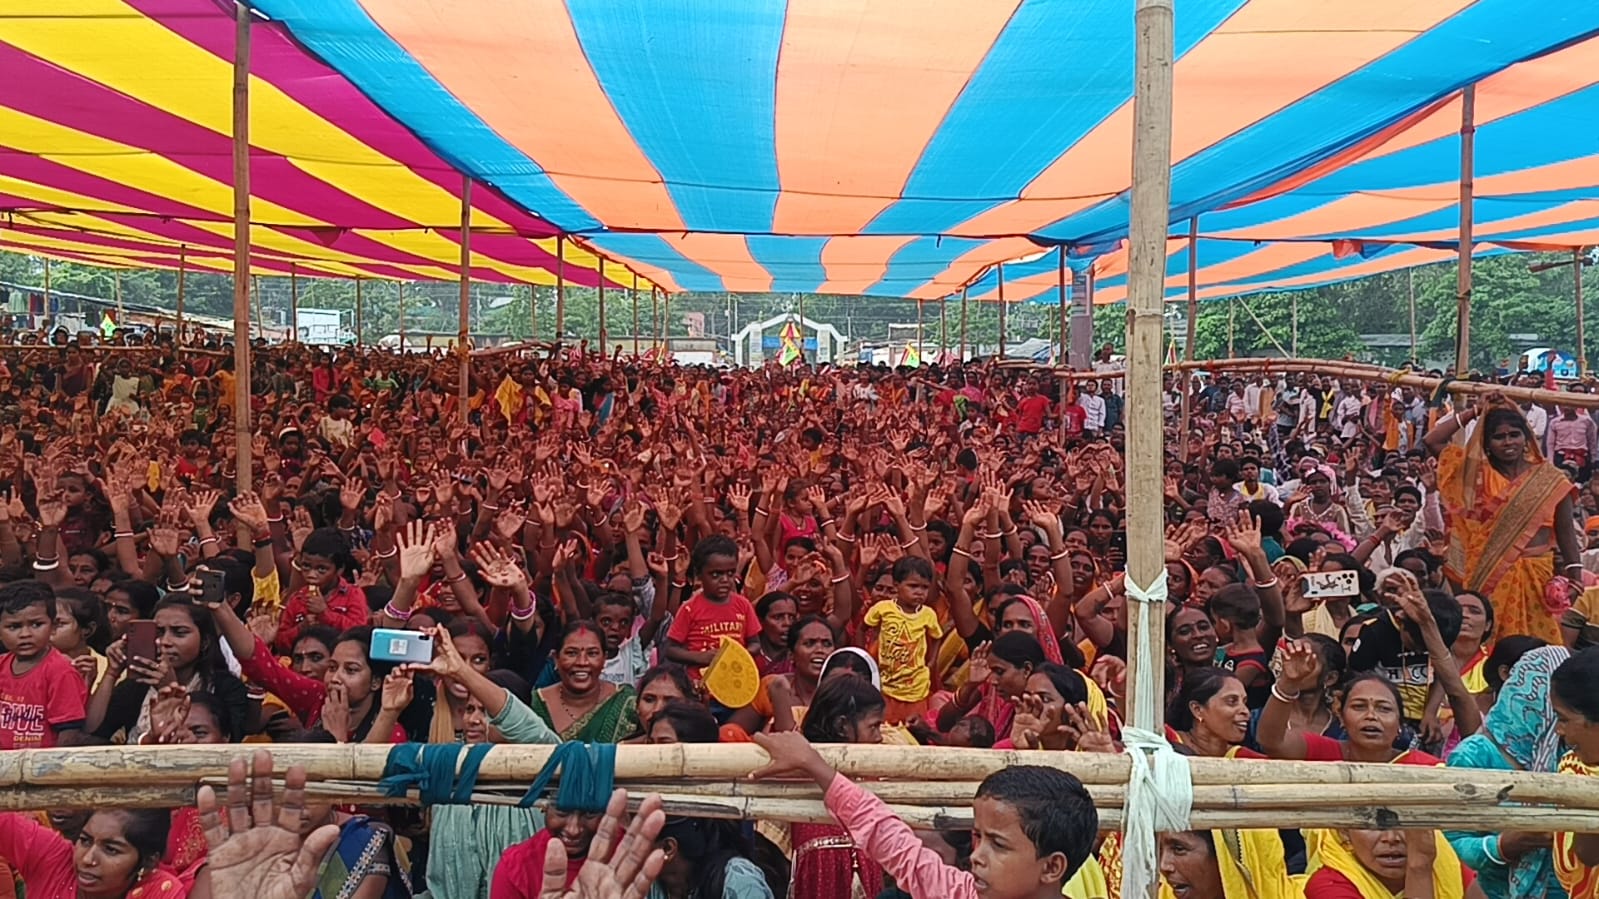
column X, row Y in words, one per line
column 1042, row 629
column 1251, row 865
column 1522, row 721
column 1331, row 849
column 827, row 666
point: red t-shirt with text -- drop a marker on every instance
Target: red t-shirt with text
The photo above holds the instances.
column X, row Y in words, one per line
column 35, row 705
column 701, row 624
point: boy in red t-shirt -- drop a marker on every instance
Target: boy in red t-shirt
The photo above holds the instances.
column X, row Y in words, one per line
column 41, row 694
column 715, row 611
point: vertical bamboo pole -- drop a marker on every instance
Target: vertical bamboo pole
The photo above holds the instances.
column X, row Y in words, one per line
column 1232, row 310
column 241, row 245
column 635, row 315
column 1293, row 334
column 463, row 334
column 294, row 303
column 918, row 332
column 963, row 324
column 402, row 316
column 560, row 287
column 1060, row 290
column 183, row 267
column 1001, row 270
column 360, row 320
column 803, row 359
column 1582, row 319
column 533, row 311
column 943, row 328
column 116, row 290
column 1410, row 279
column 1151, row 193
column 666, row 324
column 603, row 332
column 655, row 319
column 1468, row 145
column 260, row 318
column 46, row 290
column 1186, row 379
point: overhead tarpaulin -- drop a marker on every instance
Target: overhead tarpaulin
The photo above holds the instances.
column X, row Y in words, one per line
column 115, row 148
column 840, row 144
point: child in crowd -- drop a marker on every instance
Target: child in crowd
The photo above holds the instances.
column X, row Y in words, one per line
column 716, row 611
column 42, row 695
column 905, row 631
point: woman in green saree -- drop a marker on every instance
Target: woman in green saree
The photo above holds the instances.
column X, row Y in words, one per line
column 579, row 705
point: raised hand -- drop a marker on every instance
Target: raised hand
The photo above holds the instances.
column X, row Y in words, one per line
column 1301, row 666
column 248, row 511
column 257, row 849
column 52, row 511
column 169, row 714
column 977, row 670
column 352, row 495
column 510, row 521
column 397, row 691
column 498, row 567
column 1244, row 535
column 622, row 861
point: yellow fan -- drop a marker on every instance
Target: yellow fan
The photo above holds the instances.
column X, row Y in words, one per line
column 732, row 677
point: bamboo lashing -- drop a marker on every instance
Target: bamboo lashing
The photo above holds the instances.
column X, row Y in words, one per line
column 1359, row 371
column 935, row 785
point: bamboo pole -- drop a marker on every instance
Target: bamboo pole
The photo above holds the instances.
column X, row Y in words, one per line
column 801, row 300
column 533, row 311
column 1001, row 354
column 1293, row 326
column 1186, row 397
column 919, row 331
column 943, row 328
column 560, row 287
column 1582, row 318
column 635, row 315
column 402, row 316
column 241, row 247
column 1060, row 295
column 1468, row 143
column 294, row 303
column 603, row 333
column 1410, row 282
column 655, row 319
column 963, row 325
column 1232, row 311
column 46, row 286
column 463, row 339
column 360, row 322
column 666, row 325
column 1151, row 190
column 183, row 271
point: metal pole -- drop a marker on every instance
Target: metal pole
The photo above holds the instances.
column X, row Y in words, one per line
column 1151, row 193
column 560, row 288
column 294, row 303
column 1582, row 319
column 1293, row 335
column 635, row 315
column 802, row 328
column 182, row 276
column 463, row 335
column 1468, row 143
column 1060, row 290
column 241, row 247
column 1001, row 353
column 603, row 332
column 963, row 325
column 359, row 320
column 1410, row 278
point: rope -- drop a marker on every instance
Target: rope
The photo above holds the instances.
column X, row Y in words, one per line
column 588, row 775
column 1160, row 788
column 430, row 768
column 1440, row 393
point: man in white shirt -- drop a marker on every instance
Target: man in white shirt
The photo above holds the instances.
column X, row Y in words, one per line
column 1537, row 419
column 1252, row 399
column 1093, row 409
column 1346, row 416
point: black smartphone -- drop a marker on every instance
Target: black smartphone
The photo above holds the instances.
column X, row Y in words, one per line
column 141, row 639
column 211, row 589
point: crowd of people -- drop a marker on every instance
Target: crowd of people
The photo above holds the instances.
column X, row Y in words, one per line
column 929, row 556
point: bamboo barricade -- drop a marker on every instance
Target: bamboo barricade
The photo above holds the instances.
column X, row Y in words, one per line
column 542, row 345
column 1360, row 371
column 934, row 786
column 103, row 348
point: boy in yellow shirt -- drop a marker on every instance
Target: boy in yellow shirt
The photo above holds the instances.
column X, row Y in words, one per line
column 905, row 629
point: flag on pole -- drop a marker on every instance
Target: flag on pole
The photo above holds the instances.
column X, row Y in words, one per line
column 1171, row 352
column 108, row 326
column 790, row 352
column 912, row 357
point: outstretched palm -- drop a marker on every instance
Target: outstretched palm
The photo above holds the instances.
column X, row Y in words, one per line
column 255, row 847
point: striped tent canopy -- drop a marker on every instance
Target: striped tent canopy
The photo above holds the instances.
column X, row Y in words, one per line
column 892, row 147
column 116, row 149
column 1536, row 186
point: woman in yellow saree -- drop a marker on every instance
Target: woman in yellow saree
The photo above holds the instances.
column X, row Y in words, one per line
column 1508, row 512
column 1386, row 864
column 1225, row 864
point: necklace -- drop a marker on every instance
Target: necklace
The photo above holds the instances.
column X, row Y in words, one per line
column 573, row 714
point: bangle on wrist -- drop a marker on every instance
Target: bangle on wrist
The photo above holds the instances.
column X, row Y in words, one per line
column 121, row 534
column 1283, row 697
column 394, row 612
column 841, row 578
column 1060, row 555
column 523, row 614
column 1267, row 585
column 41, row 565
column 1493, row 848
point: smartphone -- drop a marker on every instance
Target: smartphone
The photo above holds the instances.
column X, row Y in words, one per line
column 401, row 646
column 211, row 590
column 1330, row 584
column 141, row 639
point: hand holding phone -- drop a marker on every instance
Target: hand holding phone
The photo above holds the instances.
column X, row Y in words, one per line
column 140, row 634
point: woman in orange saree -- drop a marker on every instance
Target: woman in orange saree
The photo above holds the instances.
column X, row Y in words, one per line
column 1508, row 512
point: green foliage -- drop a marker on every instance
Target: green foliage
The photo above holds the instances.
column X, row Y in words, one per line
column 1507, row 300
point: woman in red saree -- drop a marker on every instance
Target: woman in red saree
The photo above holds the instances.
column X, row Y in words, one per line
column 1508, row 513
column 826, row 860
